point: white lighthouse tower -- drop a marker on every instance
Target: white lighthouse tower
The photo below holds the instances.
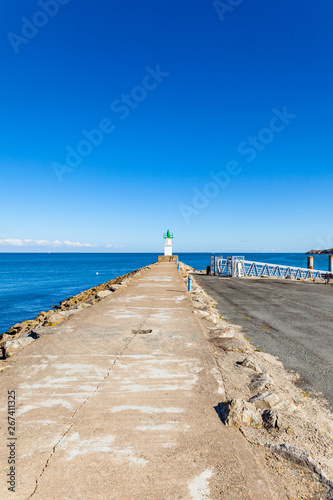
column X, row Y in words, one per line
column 168, row 257
column 168, row 237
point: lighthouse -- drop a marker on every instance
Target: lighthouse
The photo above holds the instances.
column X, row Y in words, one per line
column 168, row 237
column 168, row 257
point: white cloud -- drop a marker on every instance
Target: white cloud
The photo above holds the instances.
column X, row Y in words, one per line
column 11, row 242
column 16, row 242
column 77, row 244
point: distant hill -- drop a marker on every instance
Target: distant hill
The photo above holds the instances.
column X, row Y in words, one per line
column 320, row 252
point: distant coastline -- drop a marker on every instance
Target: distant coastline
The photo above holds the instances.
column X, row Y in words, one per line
column 320, row 252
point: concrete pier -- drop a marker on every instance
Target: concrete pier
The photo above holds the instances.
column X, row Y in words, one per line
column 118, row 402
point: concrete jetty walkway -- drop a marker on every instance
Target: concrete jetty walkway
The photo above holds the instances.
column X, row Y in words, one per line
column 105, row 412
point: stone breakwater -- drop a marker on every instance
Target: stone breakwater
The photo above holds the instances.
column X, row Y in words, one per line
column 151, row 347
column 22, row 334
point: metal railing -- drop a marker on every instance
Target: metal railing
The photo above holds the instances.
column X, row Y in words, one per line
column 238, row 267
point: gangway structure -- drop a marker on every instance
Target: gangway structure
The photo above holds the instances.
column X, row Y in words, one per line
column 236, row 266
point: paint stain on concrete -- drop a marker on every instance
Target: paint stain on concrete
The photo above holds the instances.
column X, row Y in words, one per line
column 157, row 375
column 216, row 374
column 75, row 446
column 88, row 371
column 168, row 445
column 125, row 312
column 132, row 298
column 199, row 487
column 146, row 409
column 157, row 279
column 155, row 387
column 45, row 404
column 49, row 383
column 138, row 312
column 158, row 427
column 148, row 285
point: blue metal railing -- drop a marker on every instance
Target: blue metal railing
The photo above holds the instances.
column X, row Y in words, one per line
column 238, row 267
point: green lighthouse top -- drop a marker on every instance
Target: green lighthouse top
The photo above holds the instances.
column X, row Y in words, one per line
column 168, row 234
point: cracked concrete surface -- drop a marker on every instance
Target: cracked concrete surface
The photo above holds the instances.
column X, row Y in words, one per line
column 78, row 444
column 103, row 413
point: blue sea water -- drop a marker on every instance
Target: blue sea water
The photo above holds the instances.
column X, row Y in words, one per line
column 33, row 282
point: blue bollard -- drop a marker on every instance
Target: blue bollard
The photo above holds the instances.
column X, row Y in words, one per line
column 178, row 267
column 189, row 284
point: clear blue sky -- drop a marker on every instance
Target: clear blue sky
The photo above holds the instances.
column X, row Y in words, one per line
column 181, row 90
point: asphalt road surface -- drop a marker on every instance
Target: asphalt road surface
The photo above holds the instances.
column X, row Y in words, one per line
column 292, row 320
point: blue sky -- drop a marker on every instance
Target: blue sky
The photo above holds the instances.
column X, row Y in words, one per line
column 123, row 119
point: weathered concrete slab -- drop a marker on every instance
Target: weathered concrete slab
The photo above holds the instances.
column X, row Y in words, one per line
column 110, row 414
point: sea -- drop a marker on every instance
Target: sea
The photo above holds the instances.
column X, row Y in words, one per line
column 33, row 282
